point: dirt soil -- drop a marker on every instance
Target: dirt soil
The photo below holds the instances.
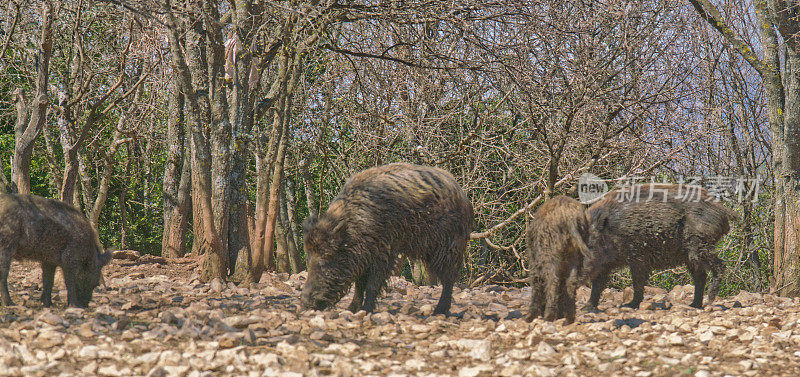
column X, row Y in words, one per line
column 157, row 319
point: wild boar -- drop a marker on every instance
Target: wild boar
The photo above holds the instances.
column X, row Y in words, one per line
column 56, row 235
column 656, row 226
column 556, row 250
column 381, row 212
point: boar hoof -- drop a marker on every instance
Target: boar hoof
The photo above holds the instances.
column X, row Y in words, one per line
column 590, row 309
column 442, row 309
column 632, row 305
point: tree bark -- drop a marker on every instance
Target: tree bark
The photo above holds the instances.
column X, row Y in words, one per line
column 783, row 112
column 241, row 115
column 31, row 117
column 787, row 272
column 274, row 193
column 175, row 179
column 220, row 139
column 271, row 169
column 123, row 218
column 294, row 239
column 201, row 159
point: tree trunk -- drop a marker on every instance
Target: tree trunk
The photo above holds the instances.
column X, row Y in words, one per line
column 287, row 254
column 241, row 115
column 281, row 244
column 263, row 256
column 197, row 67
column 123, row 218
column 275, row 188
column 293, row 239
column 5, row 185
column 787, row 269
column 265, row 165
column 783, row 111
column 214, row 266
column 175, row 180
column 31, row 118
column 220, row 142
column 238, row 231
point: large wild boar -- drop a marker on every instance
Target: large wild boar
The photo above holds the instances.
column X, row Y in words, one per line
column 418, row 211
column 556, row 251
column 656, row 226
column 56, row 235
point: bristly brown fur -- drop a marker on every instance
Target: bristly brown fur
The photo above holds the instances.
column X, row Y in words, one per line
column 662, row 229
column 381, row 212
column 55, row 234
column 556, row 250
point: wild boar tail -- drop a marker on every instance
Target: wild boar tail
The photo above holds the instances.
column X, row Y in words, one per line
column 577, row 238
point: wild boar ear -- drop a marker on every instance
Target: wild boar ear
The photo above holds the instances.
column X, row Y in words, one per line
column 598, row 219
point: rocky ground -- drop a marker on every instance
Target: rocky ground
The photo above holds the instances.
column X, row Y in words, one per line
column 156, row 319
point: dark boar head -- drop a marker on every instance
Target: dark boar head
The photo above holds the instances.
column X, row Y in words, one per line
column 89, row 276
column 599, row 240
column 330, row 265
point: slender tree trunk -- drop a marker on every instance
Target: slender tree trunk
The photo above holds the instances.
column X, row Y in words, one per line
column 783, row 112
column 175, row 175
column 263, row 256
column 294, row 241
column 238, row 231
column 201, row 158
column 122, row 198
column 31, row 117
column 287, row 254
column 5, row 185
column 281, row 243
column 197, row 67
column 241, row 115
column 197, row 208
column 787, row 272
column 275, row 188
column 220, row 142
column 775, row 112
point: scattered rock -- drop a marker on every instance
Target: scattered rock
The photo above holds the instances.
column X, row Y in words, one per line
column 127, row 254
column 215, row 285
column 162, row 321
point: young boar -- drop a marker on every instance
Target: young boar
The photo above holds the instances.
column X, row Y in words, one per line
column 556, row 251
column 56, row 235
column 649, row 227
column 418, row 211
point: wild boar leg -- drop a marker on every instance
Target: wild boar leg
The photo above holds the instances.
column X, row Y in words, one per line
column 376, row 279
column 443, row 307
column 537, row 296
column 699, row 279
column 551, row 291
column 566, row 304
column 717, row 270
column 48, row 274
column 598, row 285
column 639, row 276
column 358, row 295
column 5, row 266
column 72, row 292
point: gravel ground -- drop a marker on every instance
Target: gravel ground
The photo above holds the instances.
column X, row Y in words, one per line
column 156, row 319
